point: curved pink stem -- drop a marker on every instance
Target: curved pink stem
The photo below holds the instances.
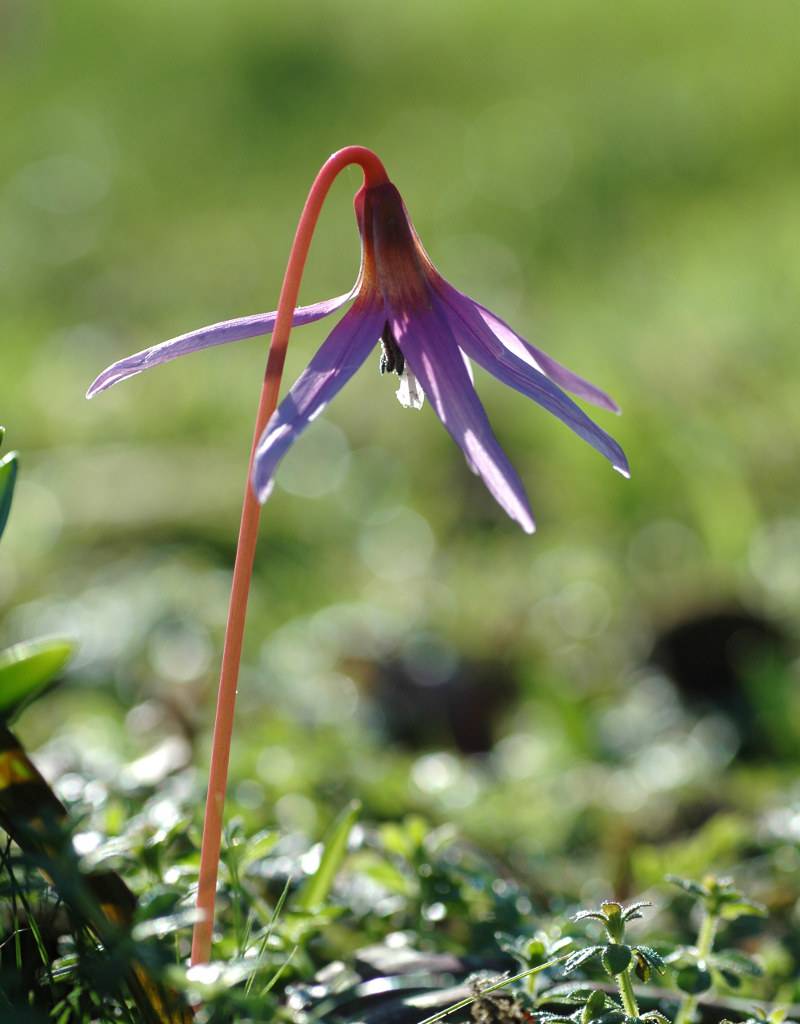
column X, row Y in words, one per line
column 374, row 174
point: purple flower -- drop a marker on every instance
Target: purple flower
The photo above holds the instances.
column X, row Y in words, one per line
column 429, row 333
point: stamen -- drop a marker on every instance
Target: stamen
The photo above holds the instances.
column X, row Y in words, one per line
column 409, row 394
column 392, row 359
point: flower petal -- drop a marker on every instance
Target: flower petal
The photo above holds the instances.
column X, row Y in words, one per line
column 206, row 337
column 482, row 345
column 428, row 344
column 543, row 362
column 341, row 354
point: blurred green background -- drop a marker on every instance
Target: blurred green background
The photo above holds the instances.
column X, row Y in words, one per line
column 620, row 183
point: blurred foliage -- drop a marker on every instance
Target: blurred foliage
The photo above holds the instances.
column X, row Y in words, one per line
column 610, row 701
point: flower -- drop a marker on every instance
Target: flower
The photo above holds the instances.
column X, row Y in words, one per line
column 429, row 334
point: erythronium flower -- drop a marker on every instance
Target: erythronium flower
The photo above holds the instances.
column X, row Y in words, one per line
column 429, row 333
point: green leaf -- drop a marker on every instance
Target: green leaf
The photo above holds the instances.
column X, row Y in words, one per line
column 742, row 908
column 8, row 477
column 612, row 1017
column 693, row 980
column 512, row 944
column 577, row 994
column 656, row 1016
column 595, row 1006
column 315, row 891
column 580, row 957
column 380, row 870
column 257, row 847
column 26, row 668
column 616, row 958
column 633, row 911
column 736, row 963
column 534, row 951
column 571, row 993
column 405, row 838
column 688, row 885
column 652, row 956
column 589, row 915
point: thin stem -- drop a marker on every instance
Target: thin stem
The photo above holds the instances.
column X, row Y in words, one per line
column 492, row 988
column 686, row 1009
column 627, row 993
column 374, row 174
column 706, row 936
column 704, row 947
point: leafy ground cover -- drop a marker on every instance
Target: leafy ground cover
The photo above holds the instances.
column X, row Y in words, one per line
column 383, row 916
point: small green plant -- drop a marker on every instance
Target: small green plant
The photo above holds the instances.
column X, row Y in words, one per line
column 100, row 906
column 700, row 968
column 533, row 951
column 619, row 961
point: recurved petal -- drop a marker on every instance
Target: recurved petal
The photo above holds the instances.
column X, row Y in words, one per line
column 430, row 349
column 540, row 360
column 206, row 337
column 481, row 344
column 341, row 354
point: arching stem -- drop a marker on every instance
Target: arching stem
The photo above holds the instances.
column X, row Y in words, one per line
column 374, row 174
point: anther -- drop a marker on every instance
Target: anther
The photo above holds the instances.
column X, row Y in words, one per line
column 392, row 359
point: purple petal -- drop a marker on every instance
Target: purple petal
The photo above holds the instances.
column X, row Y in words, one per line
column 341, row 354
column 435, row 359
column 482, row 345
column 468, row 367
column 542, row 361
column 206, row 337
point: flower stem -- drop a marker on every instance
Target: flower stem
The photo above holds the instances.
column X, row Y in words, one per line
column 374, row 174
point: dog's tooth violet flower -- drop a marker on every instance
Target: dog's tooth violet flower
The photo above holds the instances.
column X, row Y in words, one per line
column 428, row 333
